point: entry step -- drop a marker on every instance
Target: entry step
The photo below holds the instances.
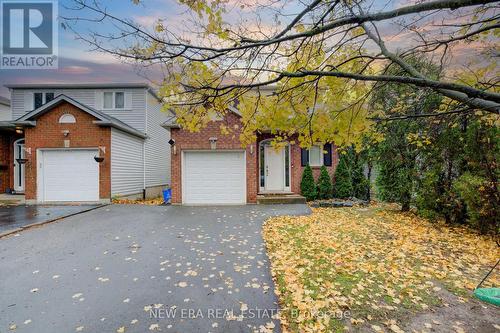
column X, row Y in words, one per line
column 267, row 199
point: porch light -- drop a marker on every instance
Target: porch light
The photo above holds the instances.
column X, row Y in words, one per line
column 171, row 142
column 19, row 131
column 99, row 158
column 213, row 143
column 21, row 160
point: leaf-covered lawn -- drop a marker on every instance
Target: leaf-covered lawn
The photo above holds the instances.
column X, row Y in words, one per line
column 379, row 265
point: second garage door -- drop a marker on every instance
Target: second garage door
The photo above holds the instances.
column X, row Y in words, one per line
column 68, row 175
column 214, row 177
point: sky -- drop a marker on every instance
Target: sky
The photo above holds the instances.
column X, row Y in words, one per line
column 78, row 63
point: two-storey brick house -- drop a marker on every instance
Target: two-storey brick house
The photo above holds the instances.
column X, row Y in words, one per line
column 84, row 142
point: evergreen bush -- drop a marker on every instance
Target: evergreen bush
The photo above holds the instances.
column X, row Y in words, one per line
column 342, row 186
column 307, row 185
column 324, row 184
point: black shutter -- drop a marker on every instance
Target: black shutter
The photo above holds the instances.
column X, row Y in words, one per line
column 327, row 157
column 304, row 157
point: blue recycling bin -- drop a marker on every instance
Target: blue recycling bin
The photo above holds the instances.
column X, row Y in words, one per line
column 167, row 195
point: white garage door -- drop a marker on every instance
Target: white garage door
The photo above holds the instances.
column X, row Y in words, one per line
column 214, row 178
column 68, row 175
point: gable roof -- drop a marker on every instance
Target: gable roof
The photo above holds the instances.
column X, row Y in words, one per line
column 172, row 121
column 102, row 119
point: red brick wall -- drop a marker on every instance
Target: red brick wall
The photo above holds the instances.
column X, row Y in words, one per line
column 296, row 165
column 83, row 134
column 5, row 161
column 7, row 140
column 185, row 140
column 331, row 169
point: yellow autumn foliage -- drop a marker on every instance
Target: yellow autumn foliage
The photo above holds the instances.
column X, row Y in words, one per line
column 374, row 262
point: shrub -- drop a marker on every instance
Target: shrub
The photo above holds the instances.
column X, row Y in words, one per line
column 342, row 186
column 307, row 186
column 480, row 198
column 360, row 184
column 324, row 184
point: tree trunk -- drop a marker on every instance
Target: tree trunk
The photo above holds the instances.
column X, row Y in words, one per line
column 405, row 201
column 369, row 176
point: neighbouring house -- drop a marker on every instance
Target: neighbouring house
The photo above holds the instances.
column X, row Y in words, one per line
column 212, row 168
column 5, row 109
column 7, row 130
column 84, row 142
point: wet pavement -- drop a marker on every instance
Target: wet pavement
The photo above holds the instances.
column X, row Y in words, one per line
column 130, row 268
column 13, row 217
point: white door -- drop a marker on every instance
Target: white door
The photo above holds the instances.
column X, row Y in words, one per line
column 214, row 177
column 19, row 167
column 68, row 175
column 274, row 169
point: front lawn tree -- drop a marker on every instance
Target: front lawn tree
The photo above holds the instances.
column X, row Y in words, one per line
column 324, row 59
column 398, row 152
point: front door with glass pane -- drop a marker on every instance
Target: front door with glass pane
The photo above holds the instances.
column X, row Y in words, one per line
column 274, row 168
column 19, row 167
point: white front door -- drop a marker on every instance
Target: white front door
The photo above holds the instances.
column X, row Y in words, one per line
column 274, row 168
column 68, row 175
column 214, row 177
column 19, row 167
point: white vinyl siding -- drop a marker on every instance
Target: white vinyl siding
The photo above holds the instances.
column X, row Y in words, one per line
column 22, row 99
column 127, row 167
column 133, row 113
column 5, row 113
column 157, row 150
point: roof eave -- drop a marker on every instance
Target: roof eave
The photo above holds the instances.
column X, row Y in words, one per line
column 169, row 126
column 56, row 101
column 24, row 123
column 120, row 127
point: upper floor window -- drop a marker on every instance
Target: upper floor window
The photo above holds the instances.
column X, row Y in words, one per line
column 67, row 119
column 40, row 98
column 316, row 156
column 114, row 100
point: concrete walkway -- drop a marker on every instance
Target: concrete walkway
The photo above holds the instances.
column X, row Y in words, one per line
column 11, row 199
column 141, row 269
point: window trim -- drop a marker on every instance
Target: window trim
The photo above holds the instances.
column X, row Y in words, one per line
column 321, row 157
column 67, row 118
column 44, row 97
column 113, row 100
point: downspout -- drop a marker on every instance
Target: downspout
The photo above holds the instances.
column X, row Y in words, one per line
column 144, row 146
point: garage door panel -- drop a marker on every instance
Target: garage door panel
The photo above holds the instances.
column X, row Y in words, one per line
column 69, row 175
column 214, row 178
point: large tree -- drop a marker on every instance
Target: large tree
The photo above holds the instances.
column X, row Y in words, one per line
column 306, row 67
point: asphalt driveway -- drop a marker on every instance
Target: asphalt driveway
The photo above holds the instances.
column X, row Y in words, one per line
column 15, row 217
column 116, row 268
